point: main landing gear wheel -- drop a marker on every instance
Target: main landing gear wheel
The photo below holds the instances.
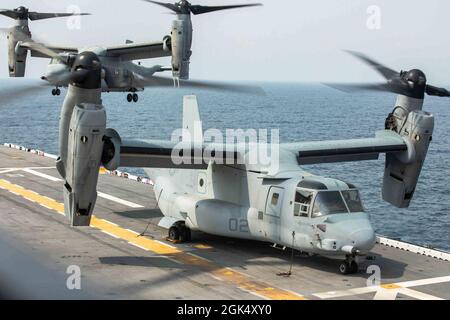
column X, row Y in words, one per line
column 174, row 233
column 132, row 97
column 348, row 267
column 180, row 233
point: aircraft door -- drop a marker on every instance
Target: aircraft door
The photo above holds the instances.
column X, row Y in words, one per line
column 301, row 217
column 272, row 214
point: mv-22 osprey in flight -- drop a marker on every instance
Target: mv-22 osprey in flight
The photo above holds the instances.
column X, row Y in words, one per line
column 219, row 189
column 119, row 72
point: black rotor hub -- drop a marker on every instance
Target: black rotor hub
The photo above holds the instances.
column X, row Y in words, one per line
column 22, row 13
column 86, row 71
column 415, row 83
column 183, row 7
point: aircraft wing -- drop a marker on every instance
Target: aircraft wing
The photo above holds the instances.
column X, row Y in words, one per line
column 57, row 49
column 167, row 154
column 138, row 51
column 347, row 150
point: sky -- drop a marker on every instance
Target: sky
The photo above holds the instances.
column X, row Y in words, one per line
column 285, row 40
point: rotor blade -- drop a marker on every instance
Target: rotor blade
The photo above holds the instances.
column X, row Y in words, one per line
column 386, row 72
column 435, row 91
column 40, row 15
column 39, row 47
column 18, row 89
column 353, row 87
column 169, row 6
column 156, row 81
column 197, row 9
column 9, row 13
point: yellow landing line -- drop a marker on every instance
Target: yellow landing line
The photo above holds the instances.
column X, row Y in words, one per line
column 32, row 196
column 225, row 274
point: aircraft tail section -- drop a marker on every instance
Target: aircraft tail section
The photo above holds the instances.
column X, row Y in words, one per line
column 192, row 125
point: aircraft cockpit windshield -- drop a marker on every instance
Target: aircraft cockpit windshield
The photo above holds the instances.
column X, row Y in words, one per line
column 324, row 202
column 333, row 202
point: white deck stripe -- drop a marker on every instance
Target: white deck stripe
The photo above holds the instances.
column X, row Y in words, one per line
column 7, row 170
column 42, row 175
column 385, row 294
column 344, row 293
column 100, row 194
column 381, row 294
column 118, row 200
column 423, row 282
column 417, row 295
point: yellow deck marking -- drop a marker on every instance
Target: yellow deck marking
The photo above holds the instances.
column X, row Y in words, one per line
column 226, row 274
column 202, row 246
column 390, row 286
column 32, row 196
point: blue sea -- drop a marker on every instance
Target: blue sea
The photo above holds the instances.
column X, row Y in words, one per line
column 301, row 112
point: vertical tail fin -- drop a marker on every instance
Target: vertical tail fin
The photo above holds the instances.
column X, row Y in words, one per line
column 192, row 125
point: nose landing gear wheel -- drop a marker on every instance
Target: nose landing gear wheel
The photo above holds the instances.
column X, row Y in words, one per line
column 348, row 267
column 344, row 268
column 53, row 92
column 129, row 97
column 353, row 267
column 58, row 92
column 135, row 97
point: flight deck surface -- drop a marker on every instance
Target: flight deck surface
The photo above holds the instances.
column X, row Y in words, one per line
column 117, row 262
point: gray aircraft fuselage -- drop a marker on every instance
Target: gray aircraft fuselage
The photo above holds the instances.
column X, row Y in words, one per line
column 232, row 202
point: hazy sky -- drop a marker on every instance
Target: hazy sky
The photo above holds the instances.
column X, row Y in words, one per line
column 285, row 40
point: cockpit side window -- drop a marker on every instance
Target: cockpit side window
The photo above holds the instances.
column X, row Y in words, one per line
column 353, row 200
column 302, row 203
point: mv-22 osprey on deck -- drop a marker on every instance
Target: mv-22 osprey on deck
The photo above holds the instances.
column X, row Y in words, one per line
column 119, row 72
column 244, row 199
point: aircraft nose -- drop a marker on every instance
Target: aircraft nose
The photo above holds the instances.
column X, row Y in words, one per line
column 363, row 239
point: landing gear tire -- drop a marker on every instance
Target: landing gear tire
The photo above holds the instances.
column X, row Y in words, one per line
column 58, row 92
column 135, row 97
column 344, row 267
column 174, row 233
column 129, row 97
column 353, row 267
column 348, row 267
column 185, row 235
column 179, row 232
column 53, row 92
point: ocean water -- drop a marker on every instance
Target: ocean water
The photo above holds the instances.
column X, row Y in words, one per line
column 301, row 112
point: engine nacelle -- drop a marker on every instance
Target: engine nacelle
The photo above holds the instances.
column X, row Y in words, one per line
column 85, row 145
column 402, row 171
column 17, row 57
column 181, row 41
